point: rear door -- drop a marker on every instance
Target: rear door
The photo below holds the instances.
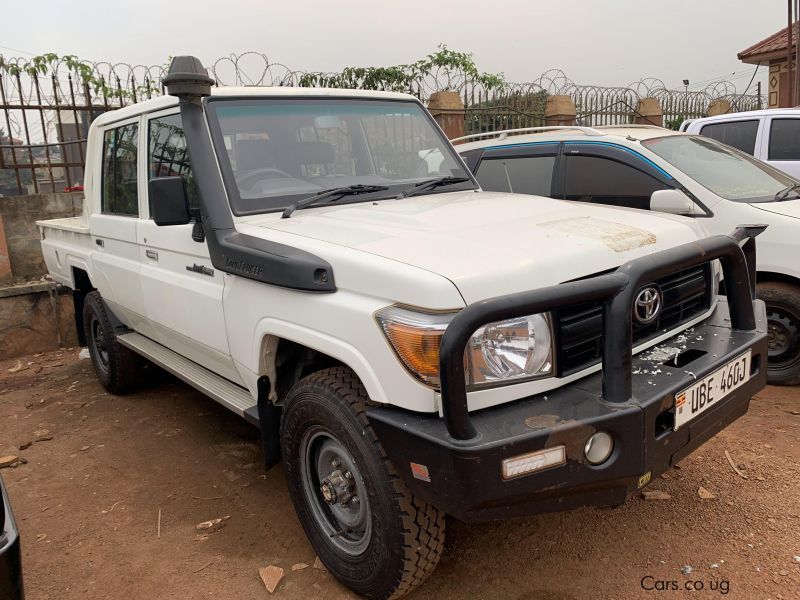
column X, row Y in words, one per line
column 523, row 169
column 781, row 147
column 181, row 289
column 743, row 133
column 116, row 204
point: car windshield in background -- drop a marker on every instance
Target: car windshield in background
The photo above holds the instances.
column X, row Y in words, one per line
column 279, row 151
column 725, row 171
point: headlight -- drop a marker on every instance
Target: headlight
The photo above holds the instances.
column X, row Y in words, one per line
column 497, row 353
column 510, row 350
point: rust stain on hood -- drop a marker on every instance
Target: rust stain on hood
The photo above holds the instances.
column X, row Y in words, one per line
column 616, row 236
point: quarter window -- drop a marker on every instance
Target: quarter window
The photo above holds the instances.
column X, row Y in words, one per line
column 605, row 181
column 120, row 191
column 784, row 139
column 168, row 155
column 739, row 134
column 522, row 175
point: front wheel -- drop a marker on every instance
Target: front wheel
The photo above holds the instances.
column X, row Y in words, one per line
column 368, row 530
column 783, row 325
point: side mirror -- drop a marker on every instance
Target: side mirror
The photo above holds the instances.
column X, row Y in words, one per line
column 169, row 202
column 674, row 202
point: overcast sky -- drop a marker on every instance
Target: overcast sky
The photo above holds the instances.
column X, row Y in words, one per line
column 604, row 42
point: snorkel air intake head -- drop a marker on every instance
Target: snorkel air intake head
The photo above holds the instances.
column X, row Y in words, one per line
column 188, row 79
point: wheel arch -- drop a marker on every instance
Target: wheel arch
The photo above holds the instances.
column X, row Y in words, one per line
column 81, row 285
column 288, row 352
column 774, row 277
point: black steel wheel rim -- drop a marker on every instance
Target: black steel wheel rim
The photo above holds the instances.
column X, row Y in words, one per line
column 335, row 492
column 783, row 336
column 98, row 343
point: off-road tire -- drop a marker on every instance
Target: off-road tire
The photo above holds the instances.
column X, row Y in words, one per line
column 407, row 533
column 783, row 313
column 119, row 369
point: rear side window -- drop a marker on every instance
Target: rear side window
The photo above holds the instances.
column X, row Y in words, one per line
column 120, row 190
column 167, row 154
column 784, row 139
column 605, row 181
column 522, row 175
column 739, row 134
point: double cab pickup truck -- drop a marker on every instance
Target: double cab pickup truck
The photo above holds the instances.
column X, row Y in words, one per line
column 410, row 345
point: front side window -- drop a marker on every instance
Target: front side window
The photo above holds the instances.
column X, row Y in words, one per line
column 784, row 139
column 274, row 152
column 521, row 175
column 605, row 181
column 168, row 155
column 739, row 134
column 120, row 191
column 725, row 171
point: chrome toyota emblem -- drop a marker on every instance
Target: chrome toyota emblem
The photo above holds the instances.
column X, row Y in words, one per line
column 647, row 305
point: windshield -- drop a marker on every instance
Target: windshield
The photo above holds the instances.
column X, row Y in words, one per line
column 274, row 152
column 725, row 171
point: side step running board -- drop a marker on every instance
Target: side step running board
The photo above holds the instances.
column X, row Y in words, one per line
column 230, row 395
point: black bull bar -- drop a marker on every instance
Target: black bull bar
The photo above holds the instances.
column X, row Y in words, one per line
column 616, row 291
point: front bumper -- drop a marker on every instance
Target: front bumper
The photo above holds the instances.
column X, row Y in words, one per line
column 466, row 476
column 10, row 557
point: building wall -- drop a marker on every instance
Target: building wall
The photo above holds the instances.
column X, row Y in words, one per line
column 778, row 84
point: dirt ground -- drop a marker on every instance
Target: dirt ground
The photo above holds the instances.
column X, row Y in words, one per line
column 101, row 468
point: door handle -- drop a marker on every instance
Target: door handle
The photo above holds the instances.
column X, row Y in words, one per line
column 152, row 254
column 100, row 242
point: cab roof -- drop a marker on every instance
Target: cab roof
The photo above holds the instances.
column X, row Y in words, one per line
column 166, row 101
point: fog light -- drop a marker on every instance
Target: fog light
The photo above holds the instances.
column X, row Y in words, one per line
column 524, row 464
column 599, row 447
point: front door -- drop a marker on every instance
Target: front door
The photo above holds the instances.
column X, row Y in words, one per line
column 181, row 289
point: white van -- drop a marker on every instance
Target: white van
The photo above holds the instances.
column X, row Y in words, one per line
column 772, row 135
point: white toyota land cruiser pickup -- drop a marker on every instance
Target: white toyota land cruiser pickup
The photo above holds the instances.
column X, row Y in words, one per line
column 409, row 345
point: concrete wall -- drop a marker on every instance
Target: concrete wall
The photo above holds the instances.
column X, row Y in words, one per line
column 35, row 318
column 20, row 254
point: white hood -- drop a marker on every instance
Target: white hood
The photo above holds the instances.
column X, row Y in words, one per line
column 487, row 243
column 790, row 208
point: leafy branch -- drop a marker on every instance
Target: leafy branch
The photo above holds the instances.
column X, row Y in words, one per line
column 45, row 64
column 455, row 66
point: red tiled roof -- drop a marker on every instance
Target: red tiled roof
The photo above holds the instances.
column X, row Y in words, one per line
column 771, row 45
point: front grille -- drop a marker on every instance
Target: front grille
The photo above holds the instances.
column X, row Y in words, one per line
column 579, row 328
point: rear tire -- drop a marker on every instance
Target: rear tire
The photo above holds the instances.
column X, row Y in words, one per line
column 367, row 528
column 783, row 323
column 116, row 366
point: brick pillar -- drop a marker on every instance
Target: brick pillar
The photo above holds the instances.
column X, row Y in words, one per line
column 5, row 261
column 648, row 112
column 719, row 107
column 559, row 110
column 449, row 112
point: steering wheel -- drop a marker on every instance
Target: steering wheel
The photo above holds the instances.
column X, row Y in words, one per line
column 254, row 175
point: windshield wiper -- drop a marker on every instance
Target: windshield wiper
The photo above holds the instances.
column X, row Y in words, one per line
column 429, row 184
column 348, row 190
column 784, row 193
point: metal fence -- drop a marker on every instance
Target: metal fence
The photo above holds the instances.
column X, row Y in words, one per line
column 46, row 108
column 48, row 103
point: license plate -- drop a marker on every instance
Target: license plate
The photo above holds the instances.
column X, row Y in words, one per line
column 709, row 390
